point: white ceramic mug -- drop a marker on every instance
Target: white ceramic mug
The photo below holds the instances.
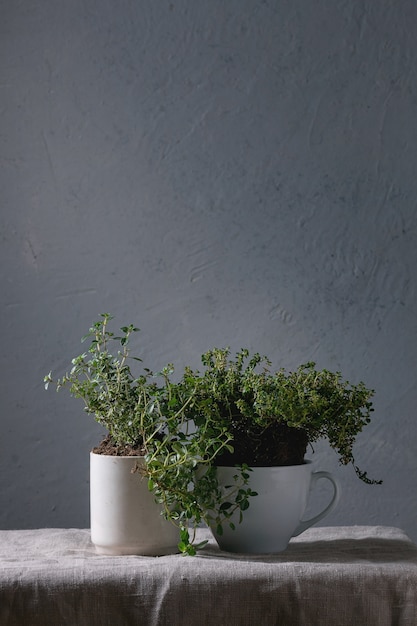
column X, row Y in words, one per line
column 275, row 514
column 125, row 518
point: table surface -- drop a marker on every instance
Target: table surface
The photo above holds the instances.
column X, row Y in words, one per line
column 328, row 576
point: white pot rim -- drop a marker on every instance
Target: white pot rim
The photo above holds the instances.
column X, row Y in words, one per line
column 118, row 456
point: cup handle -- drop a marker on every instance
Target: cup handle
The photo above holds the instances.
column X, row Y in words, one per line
column 315, row 476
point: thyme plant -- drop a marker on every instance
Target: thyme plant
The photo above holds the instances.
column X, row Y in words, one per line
column 151, row 415
column 235, row 412
column 249, row 400
column 124, row 404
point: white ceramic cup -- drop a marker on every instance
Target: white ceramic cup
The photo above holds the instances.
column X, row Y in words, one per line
column 125, row 519
column 276, row 513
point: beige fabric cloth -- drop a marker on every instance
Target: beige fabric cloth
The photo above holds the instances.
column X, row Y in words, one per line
column 339, row 576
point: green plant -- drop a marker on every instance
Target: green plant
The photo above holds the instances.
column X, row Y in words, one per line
column 256, row 405
column 236, row 412
column 148, row 414
column 124, row 404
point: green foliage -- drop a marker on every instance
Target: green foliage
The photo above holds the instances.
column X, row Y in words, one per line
column 243, row 392
column 185, row 428
column 154, row 414
column 125, row 405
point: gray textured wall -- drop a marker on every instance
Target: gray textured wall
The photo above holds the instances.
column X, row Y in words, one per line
column 232, row 172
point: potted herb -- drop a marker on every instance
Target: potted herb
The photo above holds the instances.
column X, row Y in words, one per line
column 247, row 433
column 203, row 449
column 125, row 519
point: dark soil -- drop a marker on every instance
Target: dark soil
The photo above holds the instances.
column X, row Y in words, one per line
column 275, row 445
column 108, row 447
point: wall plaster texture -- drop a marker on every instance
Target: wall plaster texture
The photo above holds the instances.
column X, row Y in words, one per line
column 238, row 172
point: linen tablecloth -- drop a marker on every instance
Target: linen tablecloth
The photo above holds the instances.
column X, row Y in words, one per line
column 338, row 576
